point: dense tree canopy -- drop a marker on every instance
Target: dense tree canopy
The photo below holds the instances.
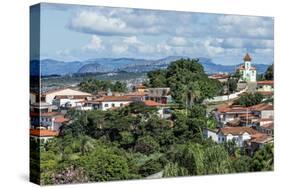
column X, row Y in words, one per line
column 269, row 74
column 187, row 80
column 134, row 142
column 250, row 99
column 94, row 86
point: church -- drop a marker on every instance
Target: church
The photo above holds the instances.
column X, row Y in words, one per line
column 248, row 72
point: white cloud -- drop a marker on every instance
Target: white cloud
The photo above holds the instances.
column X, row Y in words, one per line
column 132, row 40
column 95, row 43
column 91, row 22
column 177, row 41
column 119, row 49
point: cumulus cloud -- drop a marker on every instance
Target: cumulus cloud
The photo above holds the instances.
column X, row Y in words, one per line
column 150, row 33
column 95, row 43
column 120, row 22
column 243, row 43
column 177, row 41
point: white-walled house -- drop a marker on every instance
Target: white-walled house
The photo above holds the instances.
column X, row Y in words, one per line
column 49, row 96
column 263, row 110
column 239, row 134
column 112, row 102
column 69, row 101
column 226, row 113
column 209, row 133
column 265, row 86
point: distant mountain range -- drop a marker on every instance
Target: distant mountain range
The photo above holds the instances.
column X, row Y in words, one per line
column 102, row 65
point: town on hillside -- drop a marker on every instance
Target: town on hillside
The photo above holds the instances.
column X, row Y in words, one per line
column 237, row 108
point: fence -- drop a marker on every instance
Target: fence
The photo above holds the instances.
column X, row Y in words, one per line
column 223, row 98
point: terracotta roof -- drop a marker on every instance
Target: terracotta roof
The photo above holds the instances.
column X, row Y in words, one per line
column 247, row 57
column 113, row 98
column 218, row 76
column 88, row 101
column 265, row 82
column 43, row 133
column 140, row 87
column 265, row 92
column 137, row 94
column 247, row 116
column 268, row 125
column 237, row 130
column 261, row 107
column 152, row 103
column 44, row 114
column 234, row 122
column 265, row 119
column 61, row 119
column 261, row 138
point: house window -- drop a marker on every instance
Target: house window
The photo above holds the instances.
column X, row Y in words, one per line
column 106, row 105
column 121, row 104
column 222, row 139
column 112, row 105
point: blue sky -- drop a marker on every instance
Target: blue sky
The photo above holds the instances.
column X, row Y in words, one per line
column 71, row 32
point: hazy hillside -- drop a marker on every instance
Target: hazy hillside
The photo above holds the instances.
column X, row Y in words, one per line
column 101, row 65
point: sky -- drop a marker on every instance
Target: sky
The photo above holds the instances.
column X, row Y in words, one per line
column 73, row 32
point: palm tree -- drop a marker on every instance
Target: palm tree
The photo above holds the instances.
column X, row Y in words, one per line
column 87, row 144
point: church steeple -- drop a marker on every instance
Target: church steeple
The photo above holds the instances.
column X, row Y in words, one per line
column 247, row 57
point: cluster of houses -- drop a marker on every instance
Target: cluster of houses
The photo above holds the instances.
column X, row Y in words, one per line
column 252, row 126
column 248, row 126
column 48, row 109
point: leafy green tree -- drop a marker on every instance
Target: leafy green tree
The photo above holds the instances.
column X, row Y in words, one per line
column 216, row 160
column 103, row 164
column 188, row 82
column 232, row 85
column 127, row 139
column 242, row 164
column 263, row 159
column 174, row 170
column 147, row 145
column 119, row 87
column 150, row 166
column 249, row 99
column 157, row 78
column 269, row 74
column 192, row 159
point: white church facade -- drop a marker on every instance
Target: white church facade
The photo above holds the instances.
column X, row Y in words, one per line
column 247, row 71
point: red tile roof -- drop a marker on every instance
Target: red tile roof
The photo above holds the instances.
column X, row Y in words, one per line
column 268, row 125
column 44, row 114
column 137, row 94
column 152, row 103
column 218, row 76
column 140, row 87
column 237, row 130
column 261, row 138
column 265, row 92
column 265, row 119
column 43, row 133
column 61, row 119
column 265, row 82
column 261, row 107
